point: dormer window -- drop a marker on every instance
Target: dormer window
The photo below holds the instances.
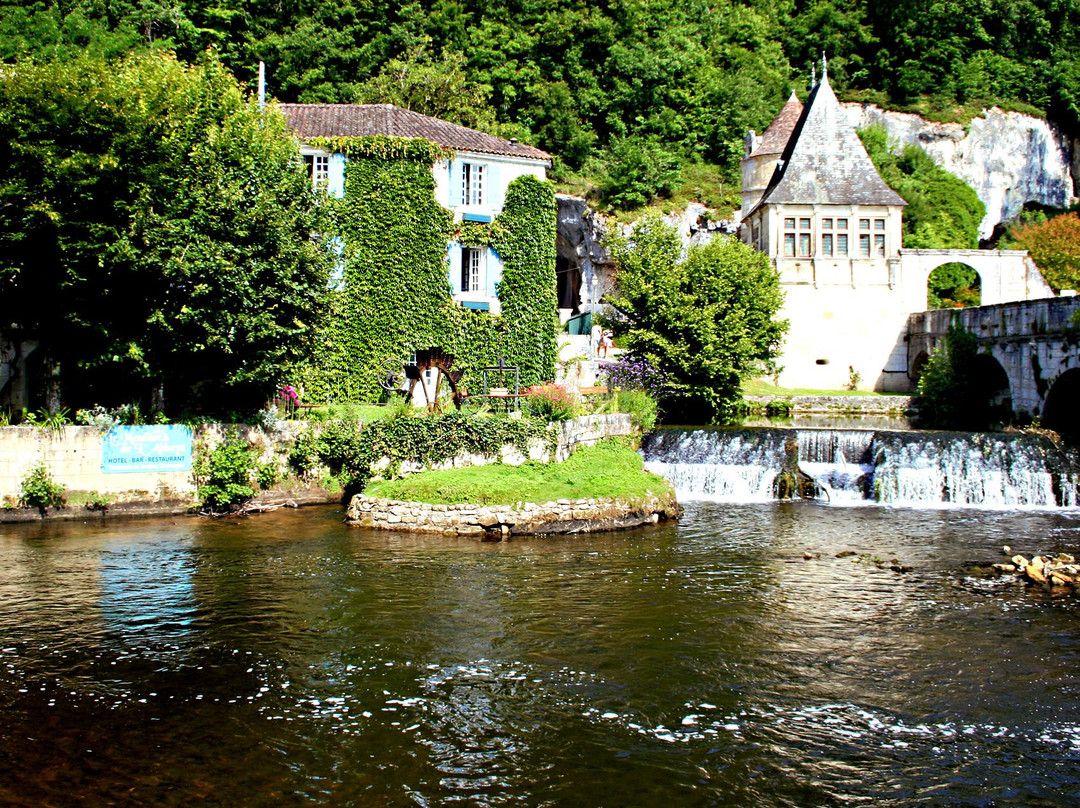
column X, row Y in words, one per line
column 472, row 184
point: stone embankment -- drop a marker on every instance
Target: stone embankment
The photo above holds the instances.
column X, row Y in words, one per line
column 863, row 405
column 500, row 522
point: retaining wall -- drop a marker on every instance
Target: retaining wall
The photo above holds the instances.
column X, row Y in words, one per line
column 74, row 458
column 862, row 405
column 498, row 522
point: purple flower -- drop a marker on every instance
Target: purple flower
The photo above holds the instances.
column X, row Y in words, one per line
column 632, row 372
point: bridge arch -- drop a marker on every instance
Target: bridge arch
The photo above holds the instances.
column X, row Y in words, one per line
column 1005, row 275
column 953, row 285
column 993, row 387
column 1062, row 409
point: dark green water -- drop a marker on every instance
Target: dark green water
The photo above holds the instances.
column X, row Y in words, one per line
column 287, row 659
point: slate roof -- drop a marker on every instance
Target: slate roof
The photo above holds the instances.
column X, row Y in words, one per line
column 824, row 162
column 776, row 135
column 360, row 120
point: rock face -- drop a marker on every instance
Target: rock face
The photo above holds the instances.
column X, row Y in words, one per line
column 1008, row 158
column 580, row 233
column 498, row 522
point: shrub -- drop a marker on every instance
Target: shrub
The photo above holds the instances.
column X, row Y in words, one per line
column 224, row 475
column 640, row 406
column 40, row 491
column 1054, row 245
column 550, row 402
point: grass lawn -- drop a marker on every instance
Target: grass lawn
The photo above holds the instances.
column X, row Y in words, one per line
column 760, row 388
column 363, row 412
column 608, row 469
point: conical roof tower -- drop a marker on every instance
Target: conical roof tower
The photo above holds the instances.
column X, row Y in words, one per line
column 824, row 162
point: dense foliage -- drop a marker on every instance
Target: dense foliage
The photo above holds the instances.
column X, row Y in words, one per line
column 943, row 212
column 349, row 451
column 623, row 91
column 395, row 298
column 225, row 474
column 956, row 388
column 708, row 321
column 1054, row 245
column 155, row 232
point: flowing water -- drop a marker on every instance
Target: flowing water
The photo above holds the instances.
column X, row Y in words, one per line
column 851, row 466
column 288, row 659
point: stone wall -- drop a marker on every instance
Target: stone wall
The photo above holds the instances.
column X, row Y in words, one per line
column 497, row 522
column 863, row 405
column 585, row 430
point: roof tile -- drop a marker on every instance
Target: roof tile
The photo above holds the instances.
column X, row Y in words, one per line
column 362, row 120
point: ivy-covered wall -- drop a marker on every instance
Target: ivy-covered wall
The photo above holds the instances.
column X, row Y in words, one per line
column 396, row 292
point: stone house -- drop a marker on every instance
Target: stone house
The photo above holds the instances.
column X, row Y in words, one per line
column 472, row 183
column 813, row 201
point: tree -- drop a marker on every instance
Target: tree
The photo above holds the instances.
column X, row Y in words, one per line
column 958, row 388
column 155, row 232
column 708, row 319
column 1054, row 245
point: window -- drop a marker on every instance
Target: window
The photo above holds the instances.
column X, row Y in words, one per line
column 472, row 184
column 470, row 270
column 841, row 244
column 879, row 224
column 826, row 224
column 841, row 224
column 879, row 246
column 803, row 238
column 864, row 224
column 318, row 168
column 804, row 245
column 827, row 245
column 864, row 245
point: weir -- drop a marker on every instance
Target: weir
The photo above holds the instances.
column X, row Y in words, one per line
column 849, row 466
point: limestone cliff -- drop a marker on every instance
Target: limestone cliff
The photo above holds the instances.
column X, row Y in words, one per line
column 1008, row 158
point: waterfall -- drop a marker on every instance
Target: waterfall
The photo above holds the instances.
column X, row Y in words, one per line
column 721, row 465
column 912, row 469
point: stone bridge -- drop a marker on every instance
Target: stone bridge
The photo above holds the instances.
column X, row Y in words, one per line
column 1029, row 353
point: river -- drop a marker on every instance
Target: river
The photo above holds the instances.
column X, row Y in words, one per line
column 288, row 659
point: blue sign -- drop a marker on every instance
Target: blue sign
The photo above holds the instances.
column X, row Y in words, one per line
column 127, row 449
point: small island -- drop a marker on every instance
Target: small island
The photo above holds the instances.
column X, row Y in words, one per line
column 601, row 487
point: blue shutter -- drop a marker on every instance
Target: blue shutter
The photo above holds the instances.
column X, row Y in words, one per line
column 456, row 178
column 494, row 272
column 495, row 190
column 453, row 255
column 335, row 182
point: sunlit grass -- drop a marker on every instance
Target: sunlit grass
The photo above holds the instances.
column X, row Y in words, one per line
column 757, row 387
column 609, row 469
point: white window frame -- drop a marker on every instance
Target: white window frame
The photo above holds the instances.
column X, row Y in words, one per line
column 472, row 271
column 473, row 176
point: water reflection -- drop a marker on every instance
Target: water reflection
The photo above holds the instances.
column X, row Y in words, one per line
column 733, row 658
